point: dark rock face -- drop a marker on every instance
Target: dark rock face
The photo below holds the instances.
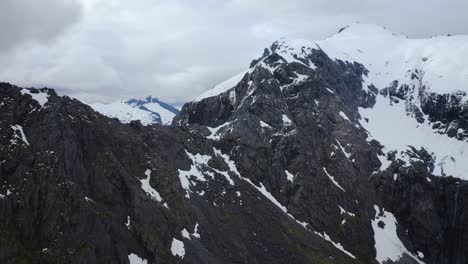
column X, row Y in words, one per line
column 448, row 113
column 307, row 146
column 277, row 169
column 68, row 194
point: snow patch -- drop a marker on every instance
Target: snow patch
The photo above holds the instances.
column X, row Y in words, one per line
column 343, row 211
column 270, row 197
column 215, row 131
column 185, row 234
column 177, row 248
column 387, row 244
column 128, row 223
column 347, row 154
column 135, row 259
column 41, row 97
column 195, row 171
column 299, row 79
column 229, row 162
column 450, row 154
column 344, row 116
column 289, row 176
column 22, row 136
column 286, row 120
column 89, row 200
column 146, row 186
column 264, row 125
column 195, row 231
column 2, row 196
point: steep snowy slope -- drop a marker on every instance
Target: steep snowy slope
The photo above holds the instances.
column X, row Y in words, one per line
column 148, row 111
column 418, row 72
column 222, row 87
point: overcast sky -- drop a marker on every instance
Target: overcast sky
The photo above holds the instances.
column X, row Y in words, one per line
column 106, row 50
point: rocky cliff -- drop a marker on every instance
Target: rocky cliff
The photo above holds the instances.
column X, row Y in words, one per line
column 307, row 157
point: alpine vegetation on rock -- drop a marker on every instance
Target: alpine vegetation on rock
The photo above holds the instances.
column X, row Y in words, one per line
column 346, row 150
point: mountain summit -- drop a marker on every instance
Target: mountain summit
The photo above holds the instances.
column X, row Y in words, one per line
column 420, row 83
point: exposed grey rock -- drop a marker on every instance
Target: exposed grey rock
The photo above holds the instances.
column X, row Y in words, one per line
column 277, row 173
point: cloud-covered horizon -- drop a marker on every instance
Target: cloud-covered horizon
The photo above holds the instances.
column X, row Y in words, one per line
column 106, row 50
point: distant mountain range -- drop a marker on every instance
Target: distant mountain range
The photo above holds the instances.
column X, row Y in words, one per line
column 149, row 111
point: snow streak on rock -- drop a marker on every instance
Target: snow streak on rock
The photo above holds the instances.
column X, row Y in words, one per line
column 337, row 245
column 333, row 179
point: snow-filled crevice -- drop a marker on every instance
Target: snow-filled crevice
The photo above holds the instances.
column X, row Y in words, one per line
column 150, row 191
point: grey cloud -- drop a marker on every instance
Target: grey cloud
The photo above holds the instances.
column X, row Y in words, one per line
column 31, row 20
column 177, row 49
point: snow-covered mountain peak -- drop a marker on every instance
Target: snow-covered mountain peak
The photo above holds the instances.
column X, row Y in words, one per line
column 438, row 62
column 354, row 32
column 149, row 111
column 423, row 83
column 390, row 57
